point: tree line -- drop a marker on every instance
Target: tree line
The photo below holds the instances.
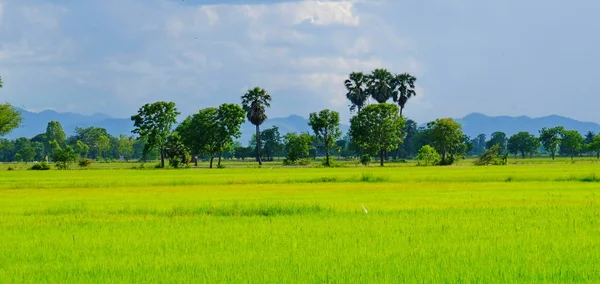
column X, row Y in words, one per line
column 377, row 129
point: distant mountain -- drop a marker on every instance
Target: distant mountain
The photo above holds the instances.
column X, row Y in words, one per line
column 35, row 123
column 477, row 123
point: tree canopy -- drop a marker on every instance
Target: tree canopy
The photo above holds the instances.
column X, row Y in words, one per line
column 155, row 122
column 551, row 139
column 326, row 126
column 447, row 138
column 377, row 129
column 10, row 118
column 524, row 143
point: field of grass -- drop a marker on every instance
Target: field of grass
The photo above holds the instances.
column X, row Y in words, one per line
column 533, row 222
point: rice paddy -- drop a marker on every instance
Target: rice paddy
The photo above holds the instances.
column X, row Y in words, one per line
column 534, row 222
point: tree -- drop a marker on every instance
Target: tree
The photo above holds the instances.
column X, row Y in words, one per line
column 357, row 95
column 478, row 144
column 62, row 157
column 524, row 143
column 55, row 132
column 428, row 155
column 551, row 139
column 176, row 151
column 447, row 138
column 407, row 147
column 498, row 138
column 595, row 146
column 10, row 118
column 155, row 122
column 230, row 118
column 572, row 142
column 103, row 146
column 589, row 137
column 377, row 129
column 24, row 149
column 491, row 157
column 272, row 142
column 125, row 147
column 81, row 149
column 254, row 103
column 326, row 126
column 297, row 146
column 405, row 84
column 381, row 85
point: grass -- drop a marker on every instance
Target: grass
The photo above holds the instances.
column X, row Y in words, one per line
column 536, row 222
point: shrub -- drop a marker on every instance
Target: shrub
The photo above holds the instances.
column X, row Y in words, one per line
column 491, row 156
column 175, row 162
column 365, row 160
column 428, row 156
column 40, row 167
column 10, row 169
column 84, row 163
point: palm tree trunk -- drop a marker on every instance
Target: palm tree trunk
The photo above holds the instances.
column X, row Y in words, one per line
column 258, row 145
column 401, row 108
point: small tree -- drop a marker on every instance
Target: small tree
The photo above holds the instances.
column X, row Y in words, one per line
column 572, row 142
column 491, row 156
column 551, row 139
column 428, row 156
column 176, row 151
column 377, row 129
column 155, row 122
column 595, row 146
column 448, row 139
column 297, row 146
column 326, row 126
column 62, row 157
column 524, row 143
column 498, row 138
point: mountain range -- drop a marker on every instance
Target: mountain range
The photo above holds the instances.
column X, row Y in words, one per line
column 473, row 124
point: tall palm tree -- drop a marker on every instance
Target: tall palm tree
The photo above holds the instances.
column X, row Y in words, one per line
column 405, row 89
column 380, row 85
column 357, row 94
column 254, row 103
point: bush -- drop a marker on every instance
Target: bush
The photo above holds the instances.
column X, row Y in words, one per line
column 175, row 162
column 365, row 160
column 40, row 167
column 10, row 169
column 491, row 156
column 428, row 156
column 84, row 163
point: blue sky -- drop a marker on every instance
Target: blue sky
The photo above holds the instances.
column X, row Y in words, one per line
column 111, row 56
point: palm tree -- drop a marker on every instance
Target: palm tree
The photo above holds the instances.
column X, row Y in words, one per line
column 254, row 102
column 357, row 94
column 380, row 85
column 405, row 84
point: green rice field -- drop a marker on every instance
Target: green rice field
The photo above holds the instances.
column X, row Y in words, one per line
column 534, row 222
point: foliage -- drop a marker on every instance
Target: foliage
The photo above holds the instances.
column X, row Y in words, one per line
column 498, row 138
column 85, row 163
column 177, row 153
column 491, row 157
column 55, row 132
column 550, row 138
column 405, row 84
column 447, row 138
column 594, row 146
column 380, row 85
column 571, row 142
column 43, row 166
column 272, row 142
column 524, row 143
column 326, row 126
column 10, row 118
column 296, row 147
column 125, row 147
column 63, row 157
column 254, row 103
column 428, row 156
column 376, row 129
column 155, row 122
column 365, row 160
column 357, row 93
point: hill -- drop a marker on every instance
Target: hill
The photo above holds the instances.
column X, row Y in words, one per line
column 477, row 123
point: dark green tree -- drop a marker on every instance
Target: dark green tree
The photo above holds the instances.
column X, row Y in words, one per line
column 177, row 153
column 357, row 93
column 405, row 89
column 595, row 146
column 55, row 132
column 551, row 139
column 377, row 129
column 498, row 138
column 272, row 142
column 524, row 143
column 571, row 143
column 155, row 122
column 297, row 146
column 255, row 102
column 326, row 126
column 380, row 85
column 447, row 138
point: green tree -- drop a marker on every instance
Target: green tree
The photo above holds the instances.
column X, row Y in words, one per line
column 24, row 149
column 55, row 132
column 81, row 149
column 595, row 146
column 524, row 143
column 155, row 122
column 297, row 146
column 377, row 129
column 326, row 126
column 498, row 138
column 380, row 85
column 571, row 142
column 175, row 150
column 357, row 94
column 230, row 118
column 62, row 157
column 551, row 139
column 40, row 152
column 10, row 118
column 103, row 146
column 447, row 138
column 125, row 147
column 271, row 138
column 405, row 84
column 255, row 102
column 428, row 156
